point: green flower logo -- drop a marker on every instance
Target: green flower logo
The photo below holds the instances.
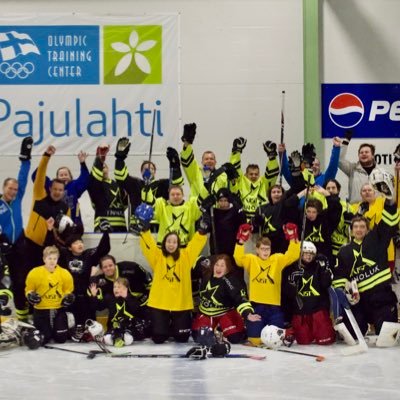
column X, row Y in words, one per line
column 132, row 54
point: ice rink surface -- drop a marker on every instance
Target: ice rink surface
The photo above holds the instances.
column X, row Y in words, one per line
column 45, row 374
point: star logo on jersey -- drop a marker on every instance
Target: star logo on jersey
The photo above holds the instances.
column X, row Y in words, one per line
column 307, row 289
column 52, row 292
column 171, row 275
column 263, row 276
column 120, row 314
column 360, row 263
column 209, row 295
column 315, row 236
column 268, row 227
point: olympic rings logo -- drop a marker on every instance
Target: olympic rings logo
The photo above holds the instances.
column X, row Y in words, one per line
column 16, row 69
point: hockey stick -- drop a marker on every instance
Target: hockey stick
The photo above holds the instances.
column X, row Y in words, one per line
column 282, row 135
column 249, row 356
column 91, row 354
column 362, row 346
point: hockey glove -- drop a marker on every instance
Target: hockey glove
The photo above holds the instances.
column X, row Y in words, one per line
column 220, row 349
column 348, row 134
column 173, row 158
column 244, row 232
column 68, row 300
column 5, row 310
column 239, row 144
column 189, row 133
column 322, row 261
column 197, row 353
column 32, row 338
column 206, row 336
column 363, row 208
column 396, row 154
column 123, row 146
column 347, row 217
column 26, row 149
column 290, row 231
column 295, row 163
column 308, row 153
column 102, row 152
column 351, row 291
column 230, row 171
column 204, row 224
column 33, row 298
column 105, row 226
column 270, row 149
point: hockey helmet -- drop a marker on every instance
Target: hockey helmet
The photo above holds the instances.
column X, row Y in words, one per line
column 309, row 247
column 272, row 336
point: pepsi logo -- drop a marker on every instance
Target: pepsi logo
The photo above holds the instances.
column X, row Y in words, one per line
column 346, row 110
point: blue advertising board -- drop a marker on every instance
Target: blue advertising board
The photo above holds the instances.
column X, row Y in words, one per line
column 370, row 110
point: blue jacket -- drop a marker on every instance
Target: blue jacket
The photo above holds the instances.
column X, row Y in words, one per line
column 11, row 213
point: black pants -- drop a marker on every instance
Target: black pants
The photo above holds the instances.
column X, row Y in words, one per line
column 81, row 309
column 170, row 323
column 52, row 324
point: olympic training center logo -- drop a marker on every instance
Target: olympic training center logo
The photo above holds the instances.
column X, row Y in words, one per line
column 12, row 45
column 346, row 110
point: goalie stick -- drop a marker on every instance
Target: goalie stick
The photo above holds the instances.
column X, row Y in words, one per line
column 282, row 135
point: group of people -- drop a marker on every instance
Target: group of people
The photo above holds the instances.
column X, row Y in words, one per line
column 309, row 243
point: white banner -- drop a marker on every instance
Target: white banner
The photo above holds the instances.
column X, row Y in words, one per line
column 77, row 81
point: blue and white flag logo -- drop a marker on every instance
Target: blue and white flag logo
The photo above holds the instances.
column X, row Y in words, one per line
column 13, row 43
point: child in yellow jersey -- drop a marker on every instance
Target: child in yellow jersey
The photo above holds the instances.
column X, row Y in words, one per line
column 49, row 289
column 265, row 278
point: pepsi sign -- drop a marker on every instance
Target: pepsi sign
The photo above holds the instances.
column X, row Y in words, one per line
column 370, row 110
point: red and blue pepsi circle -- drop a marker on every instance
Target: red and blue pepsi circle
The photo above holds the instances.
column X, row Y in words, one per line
column 346, row 110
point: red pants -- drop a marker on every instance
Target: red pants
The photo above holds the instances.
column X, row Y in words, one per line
column 230, row 322
column 313, row 327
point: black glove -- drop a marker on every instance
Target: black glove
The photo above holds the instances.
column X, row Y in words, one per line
column 173, row 158
column 189, row 132
column 230, row 171
column 34, row 298
column 235, row 200
column 363, row 208
column 348, row 134
column 204, row 224
column 123, row 146
column 308, row 153
column 270, row 149
column 322, row 261
column 295, row 276
column 396, row 154
column 295, row 163
column 197, row 353
column 207, row 203
column 220, row 349
column 105, row 226
column 239, row 144
column 348, row 216
column 26, row 149
column 68, row 299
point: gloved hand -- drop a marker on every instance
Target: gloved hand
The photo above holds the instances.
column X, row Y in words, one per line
column 270, row 149
column 204, row 224
column 290, row 231
column 363, row 208
column 206, row 336
column 189, row 133
column 68, row 299
column 230, row 171
column 33, row 298
column 173, row 158
column 322, row 260
column 308, row 153
column 105, row 226
column 220, row 349
column 239, row 144
column 295, row 163
column 348, row 134
column 351, row 291
column 348, row 216
column 197, row 353
column 123, row 146
column 244, row 232
column 295, row 276
column 26, row 149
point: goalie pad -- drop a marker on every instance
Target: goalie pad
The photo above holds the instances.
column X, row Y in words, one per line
column 389, row 335
column 344, row 334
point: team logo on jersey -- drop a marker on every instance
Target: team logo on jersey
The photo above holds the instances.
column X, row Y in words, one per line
column 346, row 110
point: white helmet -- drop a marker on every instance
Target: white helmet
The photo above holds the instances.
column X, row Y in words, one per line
column 383, row 182
column 272, row 336
column 309, row 247
column 94, row 328
column 64, row 222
